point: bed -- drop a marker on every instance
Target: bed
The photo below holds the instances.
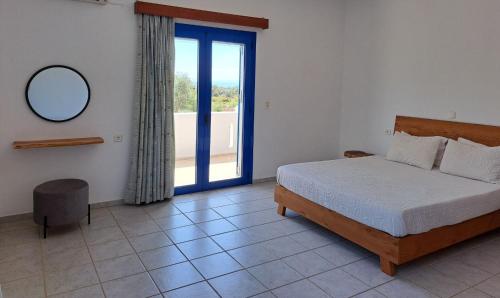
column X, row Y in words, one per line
column 402, row 214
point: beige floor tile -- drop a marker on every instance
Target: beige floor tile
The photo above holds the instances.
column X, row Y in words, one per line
column 237, row 284
column 337, row 283
column 338, row 254
column 370, row 294
column 64, row 260
column 98, row 212
column 175, row 276
column 472, row 293
column 59, row 240
column 98, row 223
column 161, row 257
column 400, row 288
column 24, row 288
column 250, row 196
column 199, row 290
column 255, row 218
column 308, row 263
column 216, row 265
column 300, row 289
column 485, row 262
column 25, row 236
column 218, row 226
column 252, row 255
column 233, row 240
column 26, row 267
column 135, row 229
column 69, row 280
column 434, row 281
column 134, row 286
column 274, row 274
column 119, row 267
column 185, row 234
column 491, row 286
column 199, row 248
column 161, row 210
column 150, row 241
column 19, row 252
column 88, row 292
column 368, row 271
column 18, row 225
column 203, row 216
column 313, row 238
column 110, row 250
column 174, row 221
column 460, row 271
column 284, row 246
column 94, row 237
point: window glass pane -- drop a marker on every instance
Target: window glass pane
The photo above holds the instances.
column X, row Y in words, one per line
column 227, row 111
column 185, row 110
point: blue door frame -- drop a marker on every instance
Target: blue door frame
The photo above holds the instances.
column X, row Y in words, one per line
column 205, row 37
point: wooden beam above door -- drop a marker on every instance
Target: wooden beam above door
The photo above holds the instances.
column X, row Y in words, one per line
column 199, row 15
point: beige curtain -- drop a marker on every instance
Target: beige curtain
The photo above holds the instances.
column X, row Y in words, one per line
column 151, row 177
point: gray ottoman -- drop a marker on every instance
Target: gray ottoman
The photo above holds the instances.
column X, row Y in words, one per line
column 60, row 202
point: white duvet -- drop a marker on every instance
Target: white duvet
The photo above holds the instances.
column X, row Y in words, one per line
column 396, row 198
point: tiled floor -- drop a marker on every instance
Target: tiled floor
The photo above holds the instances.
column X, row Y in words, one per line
column 228, row 243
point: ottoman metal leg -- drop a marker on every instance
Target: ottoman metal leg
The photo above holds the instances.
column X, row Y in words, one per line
column 88, row 214
column 45, row 227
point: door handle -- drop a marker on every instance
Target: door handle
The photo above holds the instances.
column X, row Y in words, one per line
column 206, row 119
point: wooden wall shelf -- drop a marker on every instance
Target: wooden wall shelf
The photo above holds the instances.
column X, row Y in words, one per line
column 57, row 143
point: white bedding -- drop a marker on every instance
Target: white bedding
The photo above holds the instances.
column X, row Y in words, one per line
column 396, row 198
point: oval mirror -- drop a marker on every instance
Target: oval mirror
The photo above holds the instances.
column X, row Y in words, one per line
column 57, row 93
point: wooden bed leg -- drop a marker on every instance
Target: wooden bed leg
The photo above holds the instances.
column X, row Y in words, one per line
column 281, row 210
column 387, row 267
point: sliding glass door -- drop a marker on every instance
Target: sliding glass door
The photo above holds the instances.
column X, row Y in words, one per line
column 214, row 106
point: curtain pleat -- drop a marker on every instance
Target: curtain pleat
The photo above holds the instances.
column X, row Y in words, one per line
column 152, row 159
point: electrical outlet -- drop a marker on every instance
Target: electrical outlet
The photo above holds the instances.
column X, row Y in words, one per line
column 118, row 138
column 451, row 115
column 389, row 132
column 102, row 2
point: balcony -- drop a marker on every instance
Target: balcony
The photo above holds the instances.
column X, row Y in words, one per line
column 223, row 147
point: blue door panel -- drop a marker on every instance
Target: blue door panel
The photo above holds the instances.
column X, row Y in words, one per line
column 205, row 37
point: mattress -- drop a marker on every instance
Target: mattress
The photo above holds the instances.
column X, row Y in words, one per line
column 396, row 198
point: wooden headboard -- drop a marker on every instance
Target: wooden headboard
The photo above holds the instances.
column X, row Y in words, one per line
column 485, row 134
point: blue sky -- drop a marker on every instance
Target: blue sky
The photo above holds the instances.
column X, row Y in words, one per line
column 225, row 60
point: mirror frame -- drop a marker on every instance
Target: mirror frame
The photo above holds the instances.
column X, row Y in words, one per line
column 57, row 66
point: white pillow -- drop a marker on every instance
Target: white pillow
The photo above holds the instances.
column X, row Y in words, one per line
column 415, row 151
column 469, row 142
column 470, row 161
column 441, row 149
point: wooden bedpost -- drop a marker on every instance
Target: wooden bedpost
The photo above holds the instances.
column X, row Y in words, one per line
column 387, row 266
column 281, row 210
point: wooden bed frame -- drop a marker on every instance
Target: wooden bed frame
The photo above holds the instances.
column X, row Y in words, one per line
column 399, row 250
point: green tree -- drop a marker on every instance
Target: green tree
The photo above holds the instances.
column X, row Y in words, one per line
column 224, row 99
column 185, row 94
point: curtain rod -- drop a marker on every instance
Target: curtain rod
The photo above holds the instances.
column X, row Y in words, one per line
column 199, row 15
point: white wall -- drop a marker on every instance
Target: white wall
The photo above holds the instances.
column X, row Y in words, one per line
column 299, row 64
column 224, row 132
column 417, row 57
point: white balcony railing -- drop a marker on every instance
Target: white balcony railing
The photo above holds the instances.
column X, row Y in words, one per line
column 224, row 132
